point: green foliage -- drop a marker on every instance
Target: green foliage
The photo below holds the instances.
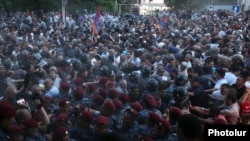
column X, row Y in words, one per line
column 108, row 5
column 47, row 5
column 80, row 6
column 34, row 5
column 184, row 4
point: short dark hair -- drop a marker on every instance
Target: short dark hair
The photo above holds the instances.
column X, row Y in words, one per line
column 221, row 72
column 236, row 68
column 214, row 110
column 225, row 85
column 190, row 126
column 208, row 60
column 195, row 79
column 207, row 70
column 231, row 96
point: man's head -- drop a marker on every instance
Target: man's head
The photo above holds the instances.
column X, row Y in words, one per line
column 195, row 81
column 224, row 89
column 15, row 132
column 189, row 127
column 22, row 115
column 108, row 108
column 214, row 111
column 64, row 87
column 64, row 105
column 48, row 83
column 11, row 91
column 172, row 62
column 7, row 114
column 209, row 62
column 30, row 127
column 86, row 118
column 52, row 72
column 240, row 81
column 62, row 119
column 162, row 127
column 129, row 117
column 101, row 125
column 230, row 99
column 123, row 84
column 220, row 73
column 61, row 134
column 196, row 62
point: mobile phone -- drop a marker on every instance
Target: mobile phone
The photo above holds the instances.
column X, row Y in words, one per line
column 20, row 101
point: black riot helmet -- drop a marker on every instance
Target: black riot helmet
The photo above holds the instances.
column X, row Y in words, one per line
column 105, row 71
column 120, row 75
column 181, row 80
column 145, row 72
column 181, row 97
column 134, row 76
column 84, row 58
column 152, row 84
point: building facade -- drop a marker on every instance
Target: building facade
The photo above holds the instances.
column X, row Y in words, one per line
column 245, row 4
column 227, row 4
column 147, row 7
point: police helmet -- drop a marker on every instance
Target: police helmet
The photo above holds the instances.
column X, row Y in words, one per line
column 152, row 84
column 181, row 97
column 145, row 71
column 181, row 80
column 120, row 75
column 105, row 71
column 134, row 76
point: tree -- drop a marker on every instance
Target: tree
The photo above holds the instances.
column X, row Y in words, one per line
column 184, row 4
column 55, row 5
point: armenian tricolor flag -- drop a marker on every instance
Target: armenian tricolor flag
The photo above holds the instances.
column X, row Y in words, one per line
column 96, row 21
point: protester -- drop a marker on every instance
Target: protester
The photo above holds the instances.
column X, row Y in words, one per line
column 8, row 113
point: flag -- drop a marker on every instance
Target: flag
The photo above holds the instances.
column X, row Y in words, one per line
column 160, row 23
column 96, row 21
column 157, row 26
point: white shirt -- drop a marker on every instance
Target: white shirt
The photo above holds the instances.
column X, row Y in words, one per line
column 57, row 82
column 230, row 77
column 219, row 83
column 217, row 95
column 189, row 64
column 52, row 92
column 137, row 61
column 15, row 53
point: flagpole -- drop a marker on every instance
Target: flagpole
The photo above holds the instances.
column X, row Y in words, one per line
column 92, row 36
column 64, row 3
column 115, row 5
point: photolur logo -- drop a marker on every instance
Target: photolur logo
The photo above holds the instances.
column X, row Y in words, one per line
column 234, row 133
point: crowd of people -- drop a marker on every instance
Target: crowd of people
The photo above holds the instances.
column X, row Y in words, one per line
column 142, row 78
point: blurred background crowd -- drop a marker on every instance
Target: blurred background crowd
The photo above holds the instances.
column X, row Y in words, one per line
column 139, row 78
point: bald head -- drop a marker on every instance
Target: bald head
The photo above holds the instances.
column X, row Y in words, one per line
column 48, row 83
column 21, row 115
